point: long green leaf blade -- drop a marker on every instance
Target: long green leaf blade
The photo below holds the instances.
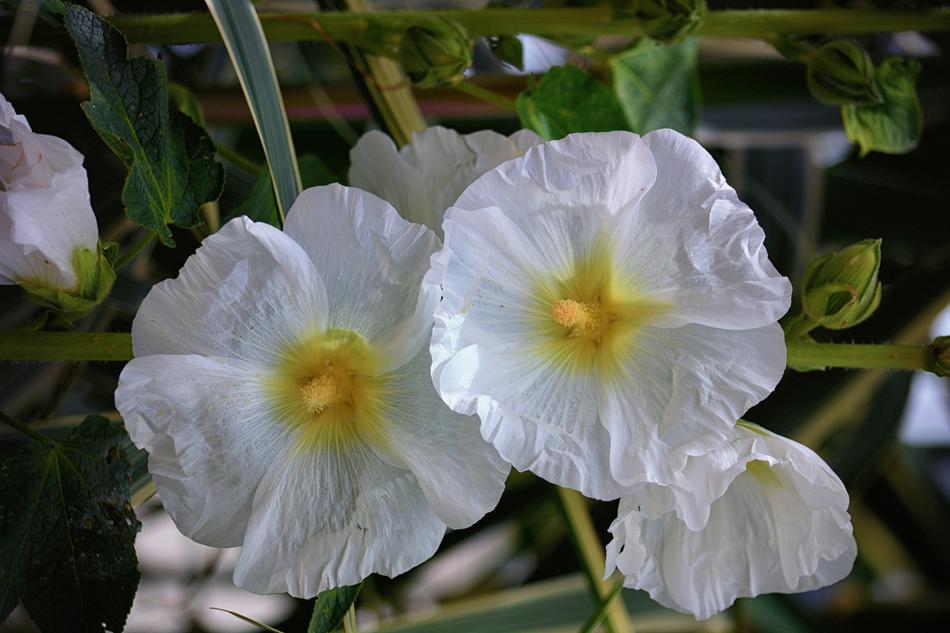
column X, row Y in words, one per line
column 244, row 38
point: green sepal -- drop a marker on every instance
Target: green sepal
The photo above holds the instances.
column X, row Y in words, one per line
column 895, row 125
column 841, row 73
column 663, row 20
column 95, row 274
column 841, row 289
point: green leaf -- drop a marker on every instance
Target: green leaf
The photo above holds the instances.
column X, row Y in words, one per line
column 894, row 126
column 507, row 49
column 186, row 101
column 658, row 86
column 67, row 531
column 244, row 38
column 330, row 607
column 172, row 170
column 261, row 206
column 568, row 100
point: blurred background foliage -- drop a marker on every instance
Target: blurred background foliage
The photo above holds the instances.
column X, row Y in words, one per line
column 885, row 433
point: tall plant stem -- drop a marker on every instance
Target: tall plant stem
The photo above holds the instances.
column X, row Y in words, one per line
column 354, row 26
column 591, row 552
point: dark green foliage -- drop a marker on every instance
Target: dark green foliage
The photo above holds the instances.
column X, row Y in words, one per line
column 172, row 170
column 67, row 531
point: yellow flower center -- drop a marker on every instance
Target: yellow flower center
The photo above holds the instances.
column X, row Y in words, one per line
column 328, row 387
column 587, row 317
column 320, row 392
column 578, row 317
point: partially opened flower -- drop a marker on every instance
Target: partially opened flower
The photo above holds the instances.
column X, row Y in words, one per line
column 424, row 178
column 49, row 239
column 609, row 309
column 281, row 387
column 776, row 521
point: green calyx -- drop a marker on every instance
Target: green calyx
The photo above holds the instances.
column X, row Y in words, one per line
column 663, row 20
column 95, row 274
column 435, row 52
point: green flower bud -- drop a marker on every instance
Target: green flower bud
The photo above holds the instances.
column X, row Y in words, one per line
column 96, row 276
column 663, row 20
column 435, row 52
column 841, row 73
column 841, row 289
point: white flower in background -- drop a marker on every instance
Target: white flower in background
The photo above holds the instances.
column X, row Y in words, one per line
column 281, row 387
column 776, row 521
column 424, row 178
column 45, row 213
column 609, row 309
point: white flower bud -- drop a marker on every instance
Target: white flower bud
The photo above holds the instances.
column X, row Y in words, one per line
column 46, row 218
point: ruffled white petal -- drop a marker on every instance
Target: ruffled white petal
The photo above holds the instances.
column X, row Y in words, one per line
column 596, row 172
column 373, row 263
column 323, row 519
column 247, row 292
column 424, row 178
column 781, row 525
column 681, row 392
column 461, row 475
column 45, row 212
column 210, row 436
column 693, row 243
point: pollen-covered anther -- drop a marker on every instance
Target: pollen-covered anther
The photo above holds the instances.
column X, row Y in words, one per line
column 320, row 392
column 577, row 316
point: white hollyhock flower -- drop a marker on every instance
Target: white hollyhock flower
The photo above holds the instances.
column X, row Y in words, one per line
column 424, row 178
column 609, row 309
column 774, row 518
column 45, row 213
column 280, row 385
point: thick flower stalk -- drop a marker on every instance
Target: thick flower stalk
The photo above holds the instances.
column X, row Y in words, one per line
column 764, row 514
column 280, row 385
column 424, row 178
column 49, row 239
column 609, row 309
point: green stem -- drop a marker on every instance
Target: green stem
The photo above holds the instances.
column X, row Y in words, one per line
column 591, row 551
column 98, row 346
column 22, row 428
column 484, row 94
column 601, row 612
column 136, row 248
column 353, row 27
column 860, row 356
column 241, row 162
